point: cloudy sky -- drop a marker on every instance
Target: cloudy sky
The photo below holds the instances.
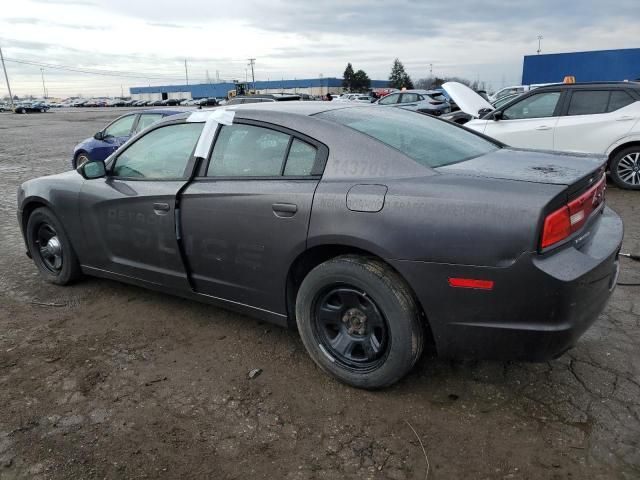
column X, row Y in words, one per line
column 145, row 42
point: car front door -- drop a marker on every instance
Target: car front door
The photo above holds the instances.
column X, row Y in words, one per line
column 528, row 123
column 113, row 136
column 391, row 99
column 129, row 217
column 245, row 218
column 595, row 119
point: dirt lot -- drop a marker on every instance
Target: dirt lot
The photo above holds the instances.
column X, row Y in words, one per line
column 105, row 380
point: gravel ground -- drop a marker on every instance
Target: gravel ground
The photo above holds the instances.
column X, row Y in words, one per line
column 105, row 380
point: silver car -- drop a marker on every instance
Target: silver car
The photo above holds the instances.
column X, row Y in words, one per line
column 425, row 101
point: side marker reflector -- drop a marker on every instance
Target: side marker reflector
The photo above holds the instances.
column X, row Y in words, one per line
column 471, row 283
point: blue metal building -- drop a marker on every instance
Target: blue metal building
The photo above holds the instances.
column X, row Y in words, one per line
column 594, row 66
column 220, row 90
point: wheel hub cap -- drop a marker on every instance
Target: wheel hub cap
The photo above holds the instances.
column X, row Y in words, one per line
column 629, row 169
column 53, row 247
column 356, row 321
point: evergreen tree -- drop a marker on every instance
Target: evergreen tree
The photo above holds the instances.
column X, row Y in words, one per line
column 399, row 78
column 361, row 81
column 347, row 77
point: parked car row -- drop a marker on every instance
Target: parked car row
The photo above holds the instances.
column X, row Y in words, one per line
column 31, row 107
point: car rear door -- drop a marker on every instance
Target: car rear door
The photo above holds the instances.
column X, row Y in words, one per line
column 245, row 217
column 528, row 123
column 595, row 119
column 129, row 216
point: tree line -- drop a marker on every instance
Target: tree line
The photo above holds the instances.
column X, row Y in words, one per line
column 359, row 81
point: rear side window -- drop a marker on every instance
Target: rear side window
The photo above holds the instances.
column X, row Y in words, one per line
column 248, row 151
column 428, row 141
column 588, row 102
column 301, row 159
column 160, row 154
column 409, row 97
column 619, row 99
column 147, row 119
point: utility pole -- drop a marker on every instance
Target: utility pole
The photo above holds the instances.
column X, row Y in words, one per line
column 540, row 37
column 6, row 77
column 44, row 89
column 186, row 72
column 121, row 91
column 431, row 69
column 217, row 76
column 252, row 62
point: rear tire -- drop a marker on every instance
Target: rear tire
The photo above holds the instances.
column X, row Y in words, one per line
column 359, row 321
column 625, row 168
column 51, row 249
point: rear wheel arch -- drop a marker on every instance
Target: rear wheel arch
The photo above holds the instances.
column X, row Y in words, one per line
column 311, row 258
column 619, row 148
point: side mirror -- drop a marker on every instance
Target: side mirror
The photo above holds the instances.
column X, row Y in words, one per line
column 498, row 115
column 99, row 136
column 91, row 170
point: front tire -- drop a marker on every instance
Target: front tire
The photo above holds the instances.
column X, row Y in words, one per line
column 625, row 168
column 80, row 159
column 50, row 248
column 359, row 321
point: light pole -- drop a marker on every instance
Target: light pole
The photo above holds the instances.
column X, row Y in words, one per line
column 540, row 37
column 252, row 62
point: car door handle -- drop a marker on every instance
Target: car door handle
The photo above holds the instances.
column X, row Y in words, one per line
column 284, row 209
column 161, row 207
column 624, row 118
column 543, row 127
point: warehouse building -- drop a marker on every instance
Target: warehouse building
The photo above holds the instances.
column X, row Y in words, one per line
column 310, row 86
column 594, row 66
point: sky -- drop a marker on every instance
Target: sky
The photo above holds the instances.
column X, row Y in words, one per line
column 145, row 42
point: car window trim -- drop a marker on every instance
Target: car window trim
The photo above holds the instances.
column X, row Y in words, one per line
column 320, row 162
column 188, row 170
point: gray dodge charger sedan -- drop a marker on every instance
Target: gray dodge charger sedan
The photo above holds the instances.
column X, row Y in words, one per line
column 375, row 231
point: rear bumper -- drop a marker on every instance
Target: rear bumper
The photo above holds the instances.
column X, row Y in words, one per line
column 538, row 307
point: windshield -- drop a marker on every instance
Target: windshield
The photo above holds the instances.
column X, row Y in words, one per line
column 430, row 142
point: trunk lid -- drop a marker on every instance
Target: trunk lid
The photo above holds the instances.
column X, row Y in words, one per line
column 576, row 171
column 467, row 100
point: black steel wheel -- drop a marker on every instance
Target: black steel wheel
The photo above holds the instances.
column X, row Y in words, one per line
column 50, row 248
column 359, row 321
column 350, row 327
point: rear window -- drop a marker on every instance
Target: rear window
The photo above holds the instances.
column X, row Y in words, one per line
column 430, row 142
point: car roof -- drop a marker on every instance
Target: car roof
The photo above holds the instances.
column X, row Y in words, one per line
column 577, row 86
column 163, row 111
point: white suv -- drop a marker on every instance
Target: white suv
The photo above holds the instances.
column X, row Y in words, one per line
column 598, row 118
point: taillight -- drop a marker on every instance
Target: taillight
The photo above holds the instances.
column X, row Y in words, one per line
column 570, row 218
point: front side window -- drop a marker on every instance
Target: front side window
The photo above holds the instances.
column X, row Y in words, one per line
column 121, row 127
column 540, row 105
column 428, row 141
column 390, row 99
column 146, row 120
column 588, row 102
column 248, row 151
column 160, row 154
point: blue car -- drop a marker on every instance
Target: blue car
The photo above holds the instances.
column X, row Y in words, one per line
column 107, row 140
